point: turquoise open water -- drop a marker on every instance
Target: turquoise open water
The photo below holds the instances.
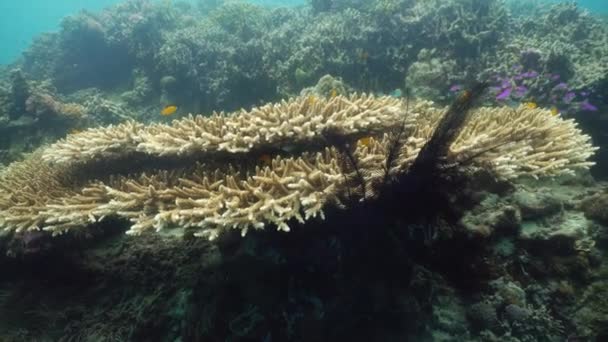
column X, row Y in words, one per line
column 21, row 20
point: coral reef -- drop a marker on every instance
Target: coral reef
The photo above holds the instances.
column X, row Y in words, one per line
column 33, row 113
column 238, row 55
column 219, row 62
column 508, row 244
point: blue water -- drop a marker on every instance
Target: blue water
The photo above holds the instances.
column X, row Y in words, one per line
column 24, row 19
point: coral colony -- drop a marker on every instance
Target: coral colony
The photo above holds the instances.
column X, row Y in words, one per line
column 543, row 89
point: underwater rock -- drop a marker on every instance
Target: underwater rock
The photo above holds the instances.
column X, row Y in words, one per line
column 19, row 93
column 429, row 76
column 590, row 312
column 141, row 89
column 563, row 230
column 100, row 109
column 483, row 316
column 449, row 318
column 491, row 218
column 531, row 59
column 516, row 313
column 596, row 208
column 4, row 105
column 327, row 86
column 508, row 292
column 539, row 204
column 44, row 106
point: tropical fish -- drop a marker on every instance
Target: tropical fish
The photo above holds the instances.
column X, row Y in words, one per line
column 365, row 141
column 554, row 111
column 168, row 110
column 265, row 159
column 333, row 93
column 311, row 100
column 531, row 105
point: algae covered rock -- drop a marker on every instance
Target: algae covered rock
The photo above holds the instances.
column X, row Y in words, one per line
column 596, row 208
column 535, row 205
column 562, row 231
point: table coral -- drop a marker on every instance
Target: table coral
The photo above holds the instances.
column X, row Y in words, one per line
column 208, row 174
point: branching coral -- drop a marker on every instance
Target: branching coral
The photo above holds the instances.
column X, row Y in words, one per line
column 56, row 193
column 42, row 104
column 288, row 123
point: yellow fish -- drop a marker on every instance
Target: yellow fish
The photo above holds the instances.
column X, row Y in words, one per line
column 365, row 141
column 531, row 105
column 265, row 159
column 333, row 93
column 311, row 100
column 554, row 111
column 74, row 131
column 168, row 110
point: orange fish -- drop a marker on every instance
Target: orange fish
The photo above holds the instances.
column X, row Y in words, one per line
column 265, row 159
column 365, row 141
column 168, row 110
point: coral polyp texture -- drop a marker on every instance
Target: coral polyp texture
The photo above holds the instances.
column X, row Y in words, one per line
column 266, row 167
